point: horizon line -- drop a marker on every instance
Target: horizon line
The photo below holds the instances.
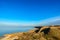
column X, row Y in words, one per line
column 31, row 23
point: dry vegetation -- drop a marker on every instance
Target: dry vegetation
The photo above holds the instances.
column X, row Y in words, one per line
column 53, row 34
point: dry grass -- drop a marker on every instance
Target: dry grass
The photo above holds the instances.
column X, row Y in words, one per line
column 54, row 34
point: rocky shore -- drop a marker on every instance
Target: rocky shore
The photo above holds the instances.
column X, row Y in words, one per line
column 39, row 33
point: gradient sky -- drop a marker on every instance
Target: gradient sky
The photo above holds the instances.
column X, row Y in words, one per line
column 29, row 10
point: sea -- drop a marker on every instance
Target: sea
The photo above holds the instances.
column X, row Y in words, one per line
column 11, row 29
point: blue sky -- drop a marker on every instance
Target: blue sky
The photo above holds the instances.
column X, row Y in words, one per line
column 29, row 10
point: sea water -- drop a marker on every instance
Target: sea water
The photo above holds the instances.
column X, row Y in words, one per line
column 12, row 29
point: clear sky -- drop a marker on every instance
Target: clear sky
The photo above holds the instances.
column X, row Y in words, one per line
column 29, row 10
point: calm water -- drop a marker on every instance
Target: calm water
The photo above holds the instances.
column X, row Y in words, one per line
column 7, row 30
